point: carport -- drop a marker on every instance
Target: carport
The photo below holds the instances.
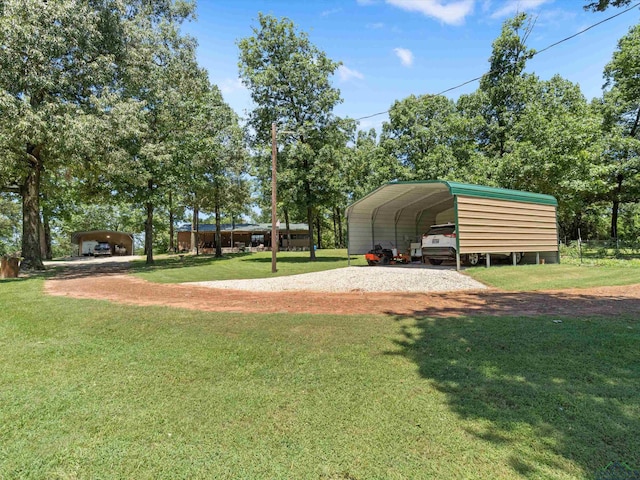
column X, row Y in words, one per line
column 488, row 220
column 86, row 240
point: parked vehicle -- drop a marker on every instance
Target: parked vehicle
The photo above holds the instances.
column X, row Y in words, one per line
column 385, row 256
column 102, row 249
column 439, row 244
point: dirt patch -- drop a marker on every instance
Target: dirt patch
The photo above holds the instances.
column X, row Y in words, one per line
column 112, row 284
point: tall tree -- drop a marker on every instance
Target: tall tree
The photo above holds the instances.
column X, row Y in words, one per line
column 157, row 84
column 551, row 148
column 621, row 125
column 57, row 59
column 54, row 55
column 213, row 149
column 427, row 137
column 288, row 78
column 368, row 166
column 503, row 84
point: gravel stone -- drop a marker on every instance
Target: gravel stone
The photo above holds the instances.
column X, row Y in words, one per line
column 358, row 279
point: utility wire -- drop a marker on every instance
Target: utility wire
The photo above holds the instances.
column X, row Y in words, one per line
column 548, row 47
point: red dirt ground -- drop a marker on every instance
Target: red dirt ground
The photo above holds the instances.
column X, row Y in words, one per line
column 114, row 285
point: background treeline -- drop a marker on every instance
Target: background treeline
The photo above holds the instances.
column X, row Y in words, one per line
column 108, row 122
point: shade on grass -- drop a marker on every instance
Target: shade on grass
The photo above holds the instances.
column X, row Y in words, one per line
column 191, row 268
column 90, row 389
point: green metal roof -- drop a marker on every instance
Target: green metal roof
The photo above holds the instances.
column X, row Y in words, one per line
column 480, row 191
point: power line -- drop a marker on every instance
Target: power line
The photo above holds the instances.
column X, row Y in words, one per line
column 548, row 47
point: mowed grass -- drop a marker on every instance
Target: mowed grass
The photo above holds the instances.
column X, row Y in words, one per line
column 568, row 274
column 192, row 268
column 90, row 389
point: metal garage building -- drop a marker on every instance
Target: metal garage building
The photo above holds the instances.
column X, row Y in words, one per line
column 489, row 220
column 84, row 242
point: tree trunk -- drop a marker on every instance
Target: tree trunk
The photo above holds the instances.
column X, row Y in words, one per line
column 312, row 252
column 30, row 192
column 341, row 236
column 194, row 231
column 171, row 220
column 148, row 233
column 614, row 219
column 288, row 225
column 9, row 267
column 615, row 208
column 318, row 232
column 46, row 227
column 335, row 232
column 218, row 235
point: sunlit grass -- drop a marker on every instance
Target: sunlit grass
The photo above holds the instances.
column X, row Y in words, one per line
column 558, row 276
column 191, row 268
column 90, row 389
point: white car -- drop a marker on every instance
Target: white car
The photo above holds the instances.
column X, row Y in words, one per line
column 439, row 244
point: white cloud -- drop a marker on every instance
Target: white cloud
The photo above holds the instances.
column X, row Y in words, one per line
column 512, row 7
column 326, row 13
column 375, row 26
column 231, row 85
column 451, row 12
column 405, row 56
column 346, row 74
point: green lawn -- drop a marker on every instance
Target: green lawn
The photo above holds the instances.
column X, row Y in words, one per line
column 568, row 274
column 90, row 389
column 191, row 268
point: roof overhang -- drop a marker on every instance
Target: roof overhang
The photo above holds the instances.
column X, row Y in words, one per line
column 422, row 189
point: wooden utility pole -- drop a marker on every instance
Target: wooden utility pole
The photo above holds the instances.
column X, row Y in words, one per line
column 274, row 239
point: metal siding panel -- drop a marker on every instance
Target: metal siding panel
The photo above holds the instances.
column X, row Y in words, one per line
column 508, row 204
column 489, row 211
column 498, row 226
column 471, row 225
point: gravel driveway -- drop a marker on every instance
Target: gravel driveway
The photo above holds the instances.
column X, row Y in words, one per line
column 357, row 279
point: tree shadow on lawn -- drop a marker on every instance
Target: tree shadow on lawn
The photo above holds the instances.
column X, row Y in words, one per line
column 554, row 394
column 623, row 300
column 118, row 268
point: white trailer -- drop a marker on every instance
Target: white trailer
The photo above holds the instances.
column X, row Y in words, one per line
column 88, row 246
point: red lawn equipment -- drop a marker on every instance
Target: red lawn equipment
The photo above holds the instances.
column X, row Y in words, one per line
column 385, row 256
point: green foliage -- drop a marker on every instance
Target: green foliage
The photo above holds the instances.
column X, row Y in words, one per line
column 505, row 85
column 80, row 95
column 602, row 5
column 9, row 224
column 288, row 78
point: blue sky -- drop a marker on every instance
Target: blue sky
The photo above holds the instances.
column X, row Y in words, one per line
column 394, row 48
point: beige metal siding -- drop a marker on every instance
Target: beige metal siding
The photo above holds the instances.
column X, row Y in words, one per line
column 496, row 226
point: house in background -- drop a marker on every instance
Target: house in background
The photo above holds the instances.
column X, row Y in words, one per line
column 254, row 236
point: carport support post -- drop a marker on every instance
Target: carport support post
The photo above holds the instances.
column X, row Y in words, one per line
column 513, row 258
column 537, row 258
column 457, row 261
column 488, row 258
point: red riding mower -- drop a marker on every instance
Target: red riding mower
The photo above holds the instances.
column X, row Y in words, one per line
column 385, row 256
